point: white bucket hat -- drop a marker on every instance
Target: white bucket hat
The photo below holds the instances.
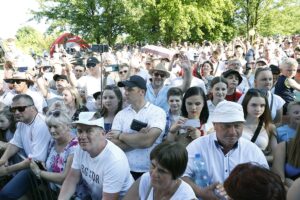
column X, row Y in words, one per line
column 227, row 112
column 88, row 118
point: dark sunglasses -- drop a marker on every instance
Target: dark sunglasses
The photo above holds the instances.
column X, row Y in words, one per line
column 54, row 113
column 89, row 65
column 18, row 108
column 16, row 81
column 123, row 72
column 156, row 74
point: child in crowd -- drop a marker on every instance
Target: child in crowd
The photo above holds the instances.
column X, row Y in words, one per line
column 174, row 97
column 288, row 131
column 285, row 84
column 234, row 79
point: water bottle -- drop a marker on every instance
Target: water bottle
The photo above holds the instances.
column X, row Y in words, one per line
column 201, row 175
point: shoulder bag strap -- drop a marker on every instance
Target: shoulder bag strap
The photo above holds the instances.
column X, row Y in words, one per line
column 253, row 139
column 271, row 105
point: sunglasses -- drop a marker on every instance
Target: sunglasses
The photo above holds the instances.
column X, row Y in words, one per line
column 54, row 113
column 18, row 108
column 156, row 74
column 16, row 81
column 89, row 65
column 123, row 72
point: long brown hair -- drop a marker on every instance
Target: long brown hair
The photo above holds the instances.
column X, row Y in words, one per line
column 293, row 154
column 266, row 116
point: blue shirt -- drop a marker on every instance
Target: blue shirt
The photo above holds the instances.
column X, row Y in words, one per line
column 285, row 133
column 160, row 99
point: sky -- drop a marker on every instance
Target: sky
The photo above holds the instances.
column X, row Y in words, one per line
column 15, row 14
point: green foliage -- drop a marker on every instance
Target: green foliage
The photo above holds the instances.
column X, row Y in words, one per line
column 268, row 17
column 169, row 20
column 28, row 37
column 95, row 20
column 180, row 20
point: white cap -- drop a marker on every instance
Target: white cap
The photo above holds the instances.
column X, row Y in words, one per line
column 88, row 118
column 227, row 112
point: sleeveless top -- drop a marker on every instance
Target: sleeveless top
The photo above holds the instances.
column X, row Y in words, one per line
column 289, row 170
column 262, row 140
column 282, row 90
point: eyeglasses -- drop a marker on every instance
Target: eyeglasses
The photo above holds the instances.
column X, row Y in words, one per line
column 156, row 74
column 89, row 65
column 55, row 113
column 17, row 81
column 78, row 70
column 123, row 72
column 18, row 108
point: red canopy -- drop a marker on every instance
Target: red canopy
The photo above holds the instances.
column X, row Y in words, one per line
column 66, row 38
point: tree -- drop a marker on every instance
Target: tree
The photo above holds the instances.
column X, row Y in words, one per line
column 96, row 20
column 267, row 17
column 180, row 20
column 30, row 38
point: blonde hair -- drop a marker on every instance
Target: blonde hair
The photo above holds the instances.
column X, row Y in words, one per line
column 74, row 92
column 288, row 62
column 62, row 118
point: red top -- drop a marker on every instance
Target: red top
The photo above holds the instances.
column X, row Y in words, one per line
column 234, row 97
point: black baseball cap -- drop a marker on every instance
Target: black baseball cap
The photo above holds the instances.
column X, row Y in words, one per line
column 57, row 77
column 134, row 81
column 93, row 60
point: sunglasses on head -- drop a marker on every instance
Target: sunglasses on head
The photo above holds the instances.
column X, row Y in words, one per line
column 123, row 72
column 156, row 74
column 89, row 65
column 18, row 108
column 54, row 113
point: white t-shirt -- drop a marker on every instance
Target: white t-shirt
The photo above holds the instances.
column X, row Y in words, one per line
column 184, row 191
column 33, row 138
column 108, row 172
column 154, row 116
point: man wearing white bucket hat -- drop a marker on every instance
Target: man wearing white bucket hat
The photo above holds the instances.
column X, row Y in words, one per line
column 222, row 150
column 101, row 164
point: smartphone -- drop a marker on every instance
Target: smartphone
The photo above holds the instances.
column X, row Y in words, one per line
column 22, row 69
column 40, row 165
column 112, row 68
column 192, row 123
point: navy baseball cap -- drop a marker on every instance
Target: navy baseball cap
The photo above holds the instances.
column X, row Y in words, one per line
column 134, row 81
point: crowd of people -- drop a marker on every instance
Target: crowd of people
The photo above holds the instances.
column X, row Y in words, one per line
column 127, row 124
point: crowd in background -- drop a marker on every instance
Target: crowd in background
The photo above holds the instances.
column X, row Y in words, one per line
column 128, row 122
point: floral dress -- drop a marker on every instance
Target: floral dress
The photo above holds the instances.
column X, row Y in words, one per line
column 56, row 162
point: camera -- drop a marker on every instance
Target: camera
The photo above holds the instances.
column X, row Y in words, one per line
column 99, row 48
column 112, row 68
